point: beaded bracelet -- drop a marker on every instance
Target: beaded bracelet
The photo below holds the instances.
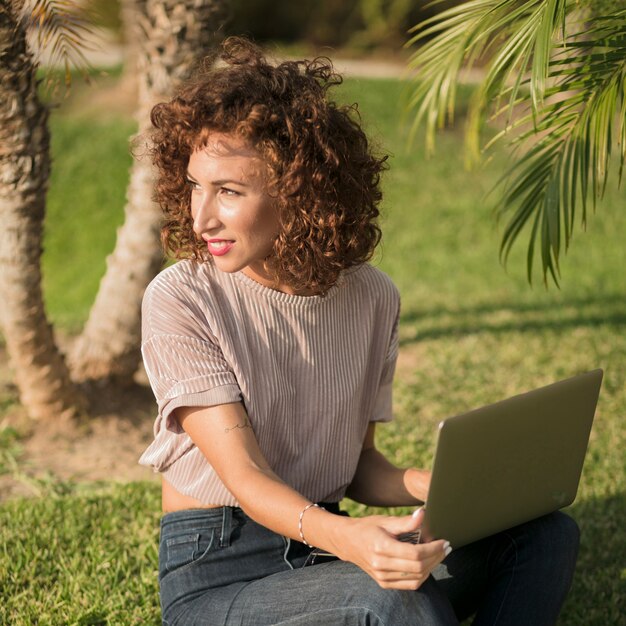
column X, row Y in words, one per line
column 304, row 510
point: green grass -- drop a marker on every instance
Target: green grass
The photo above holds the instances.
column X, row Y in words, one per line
column 85, row 207
column 83, row 558
column 471, row 333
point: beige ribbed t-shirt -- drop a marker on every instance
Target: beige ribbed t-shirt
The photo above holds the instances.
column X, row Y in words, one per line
column 311, row 371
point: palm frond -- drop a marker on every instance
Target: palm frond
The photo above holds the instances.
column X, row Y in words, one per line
column 463, row 34
column 63, row 29
column 559, row 80
column 571, row 160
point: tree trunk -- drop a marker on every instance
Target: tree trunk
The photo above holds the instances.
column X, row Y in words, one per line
column 170, row 37
column 40, row 370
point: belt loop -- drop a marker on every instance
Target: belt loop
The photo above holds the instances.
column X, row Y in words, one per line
column 227, row 518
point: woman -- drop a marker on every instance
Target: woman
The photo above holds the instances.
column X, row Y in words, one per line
column 271, row 349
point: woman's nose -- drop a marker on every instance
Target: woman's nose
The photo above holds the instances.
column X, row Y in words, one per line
column 204, row 216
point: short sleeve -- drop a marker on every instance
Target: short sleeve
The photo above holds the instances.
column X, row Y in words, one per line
column 383, row 405
column 187, row 371
column 181, row 354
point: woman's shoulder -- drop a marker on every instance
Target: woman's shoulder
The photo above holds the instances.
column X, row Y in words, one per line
column 181, row 279
column 373, row 280
column 185, row 270
column 179, row 294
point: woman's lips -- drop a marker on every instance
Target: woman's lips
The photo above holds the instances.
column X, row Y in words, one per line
column 218, row 247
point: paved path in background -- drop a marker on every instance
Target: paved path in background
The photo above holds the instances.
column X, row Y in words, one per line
column 107, row 53
column 371, row 68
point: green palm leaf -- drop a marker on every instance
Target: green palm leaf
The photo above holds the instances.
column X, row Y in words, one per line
column 578, row 130
column 566, row 71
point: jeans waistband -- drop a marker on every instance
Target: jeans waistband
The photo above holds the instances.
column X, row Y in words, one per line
column 219, row 517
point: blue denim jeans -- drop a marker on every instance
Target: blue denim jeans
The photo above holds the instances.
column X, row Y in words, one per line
column 218, row 566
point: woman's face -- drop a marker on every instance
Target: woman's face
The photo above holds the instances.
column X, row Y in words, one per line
column 231, row 210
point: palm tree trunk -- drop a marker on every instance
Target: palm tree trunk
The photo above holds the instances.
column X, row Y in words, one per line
column 40, row 370
column 170, row 36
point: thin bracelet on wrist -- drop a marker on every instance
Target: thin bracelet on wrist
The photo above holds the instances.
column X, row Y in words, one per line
column 304, row 510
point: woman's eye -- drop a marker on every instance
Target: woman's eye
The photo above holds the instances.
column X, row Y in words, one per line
column 193, row 184
column 229, row 192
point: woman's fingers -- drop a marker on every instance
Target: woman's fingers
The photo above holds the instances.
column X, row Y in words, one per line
column 394, row 546
column 403, row 524
column 390, row 561
column 407, row 566
column 400, row 574
column 419, row 559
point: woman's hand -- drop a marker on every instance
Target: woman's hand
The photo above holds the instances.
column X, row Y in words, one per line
column 372, row 544
column 417, row 483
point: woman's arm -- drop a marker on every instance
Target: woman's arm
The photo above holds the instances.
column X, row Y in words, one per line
column 224, row 435
column 379, row 483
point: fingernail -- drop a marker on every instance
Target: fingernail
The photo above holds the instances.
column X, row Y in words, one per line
column 416, row 512
column 447, row 548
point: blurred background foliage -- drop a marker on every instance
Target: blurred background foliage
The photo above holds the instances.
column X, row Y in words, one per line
column 353, row 25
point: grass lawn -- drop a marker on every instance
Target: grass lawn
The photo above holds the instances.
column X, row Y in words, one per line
column 471, row 333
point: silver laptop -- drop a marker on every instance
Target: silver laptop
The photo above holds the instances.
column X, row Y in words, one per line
column 510, row 462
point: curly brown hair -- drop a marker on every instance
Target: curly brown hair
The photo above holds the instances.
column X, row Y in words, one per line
column 321, row 172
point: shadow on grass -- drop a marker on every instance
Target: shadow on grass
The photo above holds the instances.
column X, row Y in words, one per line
column 569, row 313
column 131, row 401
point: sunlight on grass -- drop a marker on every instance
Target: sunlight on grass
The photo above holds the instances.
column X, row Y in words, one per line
column 89, row 558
